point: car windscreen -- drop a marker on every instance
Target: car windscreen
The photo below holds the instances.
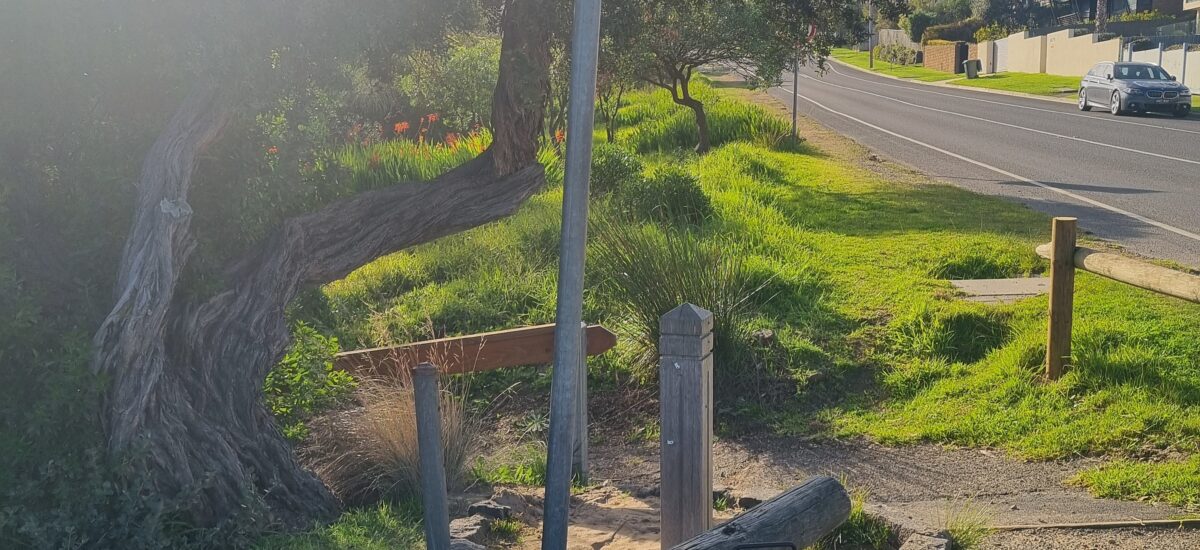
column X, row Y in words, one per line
column 1140, row 72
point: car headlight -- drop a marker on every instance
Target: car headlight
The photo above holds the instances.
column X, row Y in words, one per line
column 1136, row 91
column 1185, row 91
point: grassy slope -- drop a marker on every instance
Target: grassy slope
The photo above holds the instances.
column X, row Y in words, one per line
column 914, row 72
column 1030, row 83
column 858, row 265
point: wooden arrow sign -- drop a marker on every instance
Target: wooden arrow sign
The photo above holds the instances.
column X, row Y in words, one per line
column 473, row 353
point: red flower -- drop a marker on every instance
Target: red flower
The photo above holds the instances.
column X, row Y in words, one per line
column 559, row 135
column 452, row 139
column 433, row 117
column 400, row 127
column 272, row 150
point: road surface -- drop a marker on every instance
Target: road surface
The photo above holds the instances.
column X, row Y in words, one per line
column 1134, row 180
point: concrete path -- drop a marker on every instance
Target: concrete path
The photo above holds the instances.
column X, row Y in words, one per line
column 921, row 486
column 993, row 291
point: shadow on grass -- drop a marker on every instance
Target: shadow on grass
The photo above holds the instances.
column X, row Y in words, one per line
column 901, row 209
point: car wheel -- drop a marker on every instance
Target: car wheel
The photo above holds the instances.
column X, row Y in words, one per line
column 1183, row 110
column 1115, row 106
column 1083, row 102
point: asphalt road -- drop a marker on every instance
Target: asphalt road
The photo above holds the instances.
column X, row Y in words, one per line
column 1134, row 180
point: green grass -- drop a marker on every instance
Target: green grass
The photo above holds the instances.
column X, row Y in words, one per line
column 507, row 529
column 524, row 465
column 384, row 527
column 852, row 269
column 967, row 527
column 1029, row 83
column 861, row 530
column 1174, row 480
column 914, row 72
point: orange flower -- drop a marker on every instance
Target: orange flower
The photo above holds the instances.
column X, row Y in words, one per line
column 559, row 135
column 433, row 117
column 272, row 150
column 400, row 127
column 451, row 139
column 374, row 160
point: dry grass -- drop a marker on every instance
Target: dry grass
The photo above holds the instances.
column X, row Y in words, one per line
column 370, row 452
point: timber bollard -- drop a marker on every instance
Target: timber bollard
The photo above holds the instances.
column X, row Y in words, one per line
column 1062, row 296
column 427, row 401
column 685, row 381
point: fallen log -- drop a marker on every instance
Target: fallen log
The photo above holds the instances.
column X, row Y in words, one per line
column 796, row 518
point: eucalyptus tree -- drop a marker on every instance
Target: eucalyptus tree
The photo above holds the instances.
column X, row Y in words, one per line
column 127, row 114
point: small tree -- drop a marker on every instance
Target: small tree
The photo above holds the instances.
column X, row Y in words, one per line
column 614, row 77
column 666, row 41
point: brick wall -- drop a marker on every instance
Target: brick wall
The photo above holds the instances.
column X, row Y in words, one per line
column 943, row 57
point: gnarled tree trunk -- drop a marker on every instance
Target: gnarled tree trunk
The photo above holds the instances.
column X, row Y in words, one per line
column 186, row 375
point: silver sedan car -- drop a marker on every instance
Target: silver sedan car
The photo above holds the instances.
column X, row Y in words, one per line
column 1133, row 87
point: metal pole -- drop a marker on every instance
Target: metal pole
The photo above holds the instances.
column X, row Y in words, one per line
column 585, row 46
column 870, row 38
column 1160, row 53
column 433, row 467
column 795, row 90
column 579, row 460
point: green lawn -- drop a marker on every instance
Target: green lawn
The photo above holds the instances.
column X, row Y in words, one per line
column 384, row 527
column 848, row 268
column 1030, row 83
column 914, row 72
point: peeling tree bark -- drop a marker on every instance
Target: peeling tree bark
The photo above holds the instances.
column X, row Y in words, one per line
column 186, row 376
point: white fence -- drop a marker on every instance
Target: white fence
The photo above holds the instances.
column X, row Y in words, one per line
column 1185, row 66
column 1066, row 53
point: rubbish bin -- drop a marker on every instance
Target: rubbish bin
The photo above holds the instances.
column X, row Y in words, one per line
column 973, row 67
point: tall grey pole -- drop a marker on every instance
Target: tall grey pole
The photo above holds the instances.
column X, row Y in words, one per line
column 585, row 46
column 870, row 37
column 795, row 90
column 426, row 400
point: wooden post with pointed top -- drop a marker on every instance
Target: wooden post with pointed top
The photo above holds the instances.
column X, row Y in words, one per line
column 1062, row 296
column 685, row 381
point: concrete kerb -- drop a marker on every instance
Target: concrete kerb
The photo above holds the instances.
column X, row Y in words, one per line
column 946, row 84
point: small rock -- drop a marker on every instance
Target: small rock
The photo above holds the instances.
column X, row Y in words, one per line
column 646, row 492
column 460, row 544
column 489, row 509
column 474, row 528
column 873, row 157
column 917, row 541
column 516, row 503
column 1013, row 507
column 763, row 336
